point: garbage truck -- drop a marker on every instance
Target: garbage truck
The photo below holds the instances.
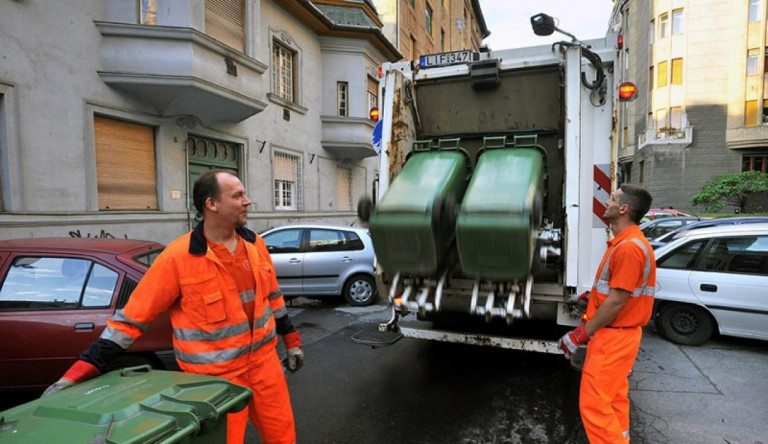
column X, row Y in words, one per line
column 494, row 171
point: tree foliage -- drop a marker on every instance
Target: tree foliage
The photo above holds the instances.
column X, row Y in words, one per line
column 731, row 189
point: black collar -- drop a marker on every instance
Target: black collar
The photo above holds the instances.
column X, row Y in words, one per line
column 198, row 246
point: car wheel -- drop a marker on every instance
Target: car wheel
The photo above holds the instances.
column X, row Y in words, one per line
column 360, row 290
column 685, row 324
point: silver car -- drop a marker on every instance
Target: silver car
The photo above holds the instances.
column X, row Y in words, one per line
column 713, row 279
column 316, row 260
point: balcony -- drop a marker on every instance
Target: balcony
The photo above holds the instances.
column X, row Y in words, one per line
column 666, row 136
column 348, row 137
column 181, row 71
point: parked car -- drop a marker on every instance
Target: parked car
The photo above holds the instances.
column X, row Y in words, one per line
column 659, row 213
column 672, row 235
column 316, row 260
column 713, row 279
column 55, row 297
column 661, row 226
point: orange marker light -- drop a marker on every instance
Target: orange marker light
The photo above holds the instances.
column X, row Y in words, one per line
column 379, row 72
column 373, row 114
column 627, row 91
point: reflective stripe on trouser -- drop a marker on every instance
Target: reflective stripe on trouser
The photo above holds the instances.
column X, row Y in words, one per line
column 603, row 400
column 270, row 407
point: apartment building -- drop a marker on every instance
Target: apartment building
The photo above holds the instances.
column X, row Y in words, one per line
column 418, row 27
column 702, row 105
column 109, row 110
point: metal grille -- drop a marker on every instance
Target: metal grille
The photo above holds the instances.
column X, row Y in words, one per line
column 286, row 169
column 282, row 71
column 125, row 292
column 344, row 188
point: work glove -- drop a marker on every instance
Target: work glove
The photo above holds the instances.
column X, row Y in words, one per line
column 577, row 304
column 80, row 371
column 571, row 341
column 294, row 358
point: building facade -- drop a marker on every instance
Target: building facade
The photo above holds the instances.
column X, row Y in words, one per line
column 418, row 27
column 702, row 101
column 109, row 110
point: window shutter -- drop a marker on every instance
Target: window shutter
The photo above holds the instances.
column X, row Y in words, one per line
column 225, row 21
column 125, row 165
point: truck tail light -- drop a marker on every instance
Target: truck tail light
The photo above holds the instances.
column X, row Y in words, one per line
column 373, row 114
column 627, row 91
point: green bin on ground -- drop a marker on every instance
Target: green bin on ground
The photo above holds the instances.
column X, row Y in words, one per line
column 129, row 406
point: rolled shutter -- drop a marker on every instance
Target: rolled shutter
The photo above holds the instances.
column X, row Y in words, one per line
column 225, row 21
column 125, row 165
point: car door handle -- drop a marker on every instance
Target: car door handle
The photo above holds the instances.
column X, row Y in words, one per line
column 84, row 326
column 708, row 287
column 346, row 259
column 294, row 261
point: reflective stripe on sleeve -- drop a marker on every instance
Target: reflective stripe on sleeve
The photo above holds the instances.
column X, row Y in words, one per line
column 118, row 337
column 275, row 294
column 120, row 316
column 280, row 312
column 188, row 334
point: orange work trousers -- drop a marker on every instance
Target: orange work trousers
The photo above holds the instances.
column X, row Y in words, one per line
column 270, row 407
column 604, row 394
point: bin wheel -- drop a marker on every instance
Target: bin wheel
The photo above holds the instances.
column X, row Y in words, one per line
column 364, row 209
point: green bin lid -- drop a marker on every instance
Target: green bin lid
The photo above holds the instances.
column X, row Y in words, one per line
column 134, row 405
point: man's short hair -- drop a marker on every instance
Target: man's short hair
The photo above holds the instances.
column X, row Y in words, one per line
column 207, row 185
column 638, row 199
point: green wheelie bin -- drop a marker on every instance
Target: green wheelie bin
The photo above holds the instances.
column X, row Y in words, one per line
column 135, row 405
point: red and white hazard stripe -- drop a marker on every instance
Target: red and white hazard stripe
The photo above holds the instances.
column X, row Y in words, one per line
column 601, row 191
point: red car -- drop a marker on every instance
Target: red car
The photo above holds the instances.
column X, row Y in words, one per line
column 55, row 297
column 658, row 213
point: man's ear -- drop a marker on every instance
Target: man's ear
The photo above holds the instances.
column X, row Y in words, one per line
column 210, row 203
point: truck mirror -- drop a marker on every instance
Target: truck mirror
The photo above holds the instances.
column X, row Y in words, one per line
column 543, row 24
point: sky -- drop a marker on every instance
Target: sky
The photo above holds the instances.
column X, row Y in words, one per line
column 510, row 25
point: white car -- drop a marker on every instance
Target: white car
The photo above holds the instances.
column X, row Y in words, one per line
column 713, row 279
column 317, row 260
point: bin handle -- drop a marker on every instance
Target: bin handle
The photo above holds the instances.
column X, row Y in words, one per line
column 183, row 432
column 137, row 369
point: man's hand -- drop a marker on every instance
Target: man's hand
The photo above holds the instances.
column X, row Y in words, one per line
column 571, row 341
column 79, row 372
column 295, row 357
column 578, row 303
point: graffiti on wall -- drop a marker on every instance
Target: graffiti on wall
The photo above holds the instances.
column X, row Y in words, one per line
column 101, row 235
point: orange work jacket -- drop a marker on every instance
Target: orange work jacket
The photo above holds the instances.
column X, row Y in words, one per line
column 628, row 264
column 211, row 331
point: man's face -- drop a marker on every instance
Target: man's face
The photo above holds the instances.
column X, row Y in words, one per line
column 613, row 206
column 232, row 203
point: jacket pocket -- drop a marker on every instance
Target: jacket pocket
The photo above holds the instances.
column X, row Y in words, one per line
column 214, row 307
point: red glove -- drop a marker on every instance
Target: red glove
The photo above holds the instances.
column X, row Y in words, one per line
column 571, row 341
column 79, row 372
column 294, row 356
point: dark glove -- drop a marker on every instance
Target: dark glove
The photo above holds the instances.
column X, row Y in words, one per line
column 294, row 358
column 577, row 304
column 571, row 341
column 80, row 371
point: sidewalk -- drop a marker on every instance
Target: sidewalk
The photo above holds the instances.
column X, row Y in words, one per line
column 714, row 393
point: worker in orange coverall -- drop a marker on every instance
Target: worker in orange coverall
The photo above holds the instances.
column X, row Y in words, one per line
column 226, row 310
column 619, row 305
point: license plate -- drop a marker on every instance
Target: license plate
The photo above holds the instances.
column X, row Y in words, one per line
column 445, row 59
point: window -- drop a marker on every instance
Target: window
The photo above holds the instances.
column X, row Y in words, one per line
column 225, row 22
column 755, row 162
column 428, row 20
column 203, row 154
column 344, row 188
column 677, row 71
column 677, row 21
column 753, row 63
column 765, row 112
column 683, row 258
column 625, row 137
column 284, row 241
column 651, row 32
column 754, row 10
column 676, row 117
column 750, row 113
column 661, row 80
column 47, row 283
column 282, row 71
column 148, row 12
column 327, row 240
column 373, row 93
column 125, row 165
column 411, row 2
column 737, row 255
column 414, row 53
column 650, row 79
column 287, row 172
column 663, row 25
column 342, row 99
column 442, row 40
column 661, row 119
